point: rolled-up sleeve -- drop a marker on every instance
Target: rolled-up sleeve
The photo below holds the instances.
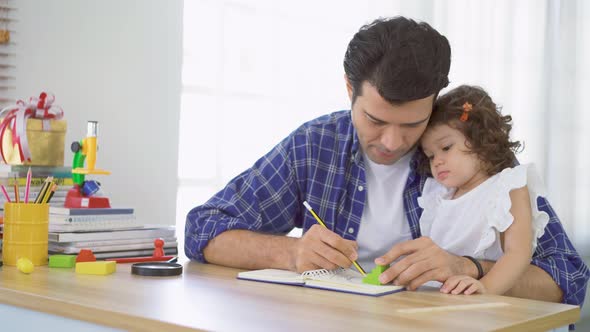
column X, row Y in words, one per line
column 556, row 255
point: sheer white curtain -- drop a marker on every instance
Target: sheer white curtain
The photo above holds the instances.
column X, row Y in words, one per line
column 254, row 70
column 567, row 149
column 532, row 57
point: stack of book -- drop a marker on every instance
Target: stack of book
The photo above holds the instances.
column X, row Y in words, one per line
column 108, row 232
column 11, row 175
column 62, row 219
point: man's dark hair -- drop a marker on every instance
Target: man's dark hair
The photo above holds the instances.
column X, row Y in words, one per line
column 404, row 60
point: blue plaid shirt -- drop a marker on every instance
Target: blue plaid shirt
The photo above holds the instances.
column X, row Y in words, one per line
column 321, row 162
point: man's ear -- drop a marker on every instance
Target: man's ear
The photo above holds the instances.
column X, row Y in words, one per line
column 348, row 87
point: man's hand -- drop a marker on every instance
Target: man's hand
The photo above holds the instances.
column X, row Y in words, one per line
column 424, row 261
column 463, row 284
column 320, row 248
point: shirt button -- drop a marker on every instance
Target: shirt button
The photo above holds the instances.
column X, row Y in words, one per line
column 351, row 230
column 361, row 188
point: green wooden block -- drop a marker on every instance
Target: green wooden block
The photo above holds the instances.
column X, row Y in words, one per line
column 381, row 268
column 62, row 260
column 372, row 277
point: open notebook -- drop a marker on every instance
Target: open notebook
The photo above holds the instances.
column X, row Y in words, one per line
column 341, row 280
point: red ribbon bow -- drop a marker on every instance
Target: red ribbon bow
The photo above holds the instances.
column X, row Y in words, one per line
column 15, row 118
column 467, row 107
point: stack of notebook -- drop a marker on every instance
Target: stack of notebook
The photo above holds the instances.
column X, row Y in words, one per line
column 63, row 219
column 109, row 233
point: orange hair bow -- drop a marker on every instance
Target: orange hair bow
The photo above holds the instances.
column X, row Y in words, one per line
column 467, row 107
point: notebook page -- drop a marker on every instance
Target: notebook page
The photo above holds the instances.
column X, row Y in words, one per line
column 345, row 280
column 273, row 276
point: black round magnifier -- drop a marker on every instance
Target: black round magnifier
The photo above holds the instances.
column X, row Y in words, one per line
column 156, row 269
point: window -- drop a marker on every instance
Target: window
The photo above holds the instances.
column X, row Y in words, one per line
column 8, row 41
column 254, row 71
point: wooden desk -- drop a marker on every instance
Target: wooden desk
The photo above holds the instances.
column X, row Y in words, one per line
column 209, row 297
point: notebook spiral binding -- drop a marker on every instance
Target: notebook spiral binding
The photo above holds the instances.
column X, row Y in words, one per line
column 321, row 273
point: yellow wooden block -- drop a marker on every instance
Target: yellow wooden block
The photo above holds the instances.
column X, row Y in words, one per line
column 100, row 268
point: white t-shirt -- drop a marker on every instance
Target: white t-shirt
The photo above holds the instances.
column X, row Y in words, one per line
column 472, row 223
column 383, row 223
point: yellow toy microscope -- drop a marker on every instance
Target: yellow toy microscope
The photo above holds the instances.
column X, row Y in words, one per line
column 82, row 195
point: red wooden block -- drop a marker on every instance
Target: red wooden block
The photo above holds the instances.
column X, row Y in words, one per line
column 85, row 255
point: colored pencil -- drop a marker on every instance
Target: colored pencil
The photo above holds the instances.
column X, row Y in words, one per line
column 5, row 193
column 28, row 185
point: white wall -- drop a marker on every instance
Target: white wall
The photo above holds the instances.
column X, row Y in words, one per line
column 117, row 62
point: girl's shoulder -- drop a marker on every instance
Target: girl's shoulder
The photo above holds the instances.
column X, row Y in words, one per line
column 519, row 176
column 499, row 204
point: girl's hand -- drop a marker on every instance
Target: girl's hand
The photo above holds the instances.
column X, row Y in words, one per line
column 462, row 284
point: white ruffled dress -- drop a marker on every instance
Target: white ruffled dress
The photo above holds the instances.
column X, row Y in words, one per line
column 471, row 224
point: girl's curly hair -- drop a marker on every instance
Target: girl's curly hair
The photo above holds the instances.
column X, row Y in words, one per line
column 487, row 131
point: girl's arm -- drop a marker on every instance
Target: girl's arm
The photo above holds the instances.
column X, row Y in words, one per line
column 517, row 245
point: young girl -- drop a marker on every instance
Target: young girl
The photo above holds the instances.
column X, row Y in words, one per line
column 477, row 204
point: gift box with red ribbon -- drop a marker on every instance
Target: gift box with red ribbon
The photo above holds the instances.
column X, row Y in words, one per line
column 33, row 133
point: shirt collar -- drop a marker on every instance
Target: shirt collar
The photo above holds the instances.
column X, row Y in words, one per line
column 413, row 166
column 357, row 154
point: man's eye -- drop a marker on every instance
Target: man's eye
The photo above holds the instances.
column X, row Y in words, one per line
column 375, row 122
column 447, row 148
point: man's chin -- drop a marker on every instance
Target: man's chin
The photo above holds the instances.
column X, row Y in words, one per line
column 384, row 160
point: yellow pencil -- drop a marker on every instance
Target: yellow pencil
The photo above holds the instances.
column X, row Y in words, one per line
column 321, row 222
column 50, row 189
column 43, row 190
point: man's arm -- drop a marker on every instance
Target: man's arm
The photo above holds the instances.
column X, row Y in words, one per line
column 555, row 261
column 317, row 248
column 528, row 286
column 262, row 199
column 425, row 261
column 249, row 250
column 244, row 225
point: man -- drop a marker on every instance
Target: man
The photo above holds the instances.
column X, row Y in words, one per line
column 357, row 170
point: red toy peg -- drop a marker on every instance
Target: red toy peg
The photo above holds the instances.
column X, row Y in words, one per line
column 157, row 256
column 158, row 248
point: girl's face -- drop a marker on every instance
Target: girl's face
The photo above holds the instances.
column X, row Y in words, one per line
column 451, row 162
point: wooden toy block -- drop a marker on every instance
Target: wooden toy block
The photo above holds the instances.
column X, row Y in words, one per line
column 62, row 261
column 85, row 255
column 372, row 278
column 98, row 268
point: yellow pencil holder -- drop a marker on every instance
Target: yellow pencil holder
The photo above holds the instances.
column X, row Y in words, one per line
column 25, row 233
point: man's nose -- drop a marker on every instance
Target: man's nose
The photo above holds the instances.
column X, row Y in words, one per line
column 392, row 139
